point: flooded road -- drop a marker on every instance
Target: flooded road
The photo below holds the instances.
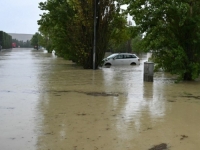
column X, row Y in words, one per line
column 47, row 103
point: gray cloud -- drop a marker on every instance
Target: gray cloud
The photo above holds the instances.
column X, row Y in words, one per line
column 19, row 16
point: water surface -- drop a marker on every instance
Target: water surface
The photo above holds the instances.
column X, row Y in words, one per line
column 47, row 103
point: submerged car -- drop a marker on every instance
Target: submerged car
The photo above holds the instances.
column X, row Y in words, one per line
column 121, row 59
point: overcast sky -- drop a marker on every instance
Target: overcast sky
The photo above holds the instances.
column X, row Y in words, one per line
column 19, row 16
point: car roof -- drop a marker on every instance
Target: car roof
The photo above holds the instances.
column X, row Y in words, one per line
column 122, row 53
column 115, row 54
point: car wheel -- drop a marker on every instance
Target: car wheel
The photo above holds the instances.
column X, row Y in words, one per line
column 133, row 63
column 107, row 65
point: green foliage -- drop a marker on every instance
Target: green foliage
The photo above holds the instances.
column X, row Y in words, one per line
column 136, row 44
column 128, row 39
column 5, row 40
column 26, row 44
column 67, row 27
column 172, row 32
column 35, row 40
column 119, row 34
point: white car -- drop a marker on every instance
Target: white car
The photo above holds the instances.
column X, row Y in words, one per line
column 121, row 59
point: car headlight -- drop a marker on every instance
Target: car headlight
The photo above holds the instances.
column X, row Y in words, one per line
column 105, row 59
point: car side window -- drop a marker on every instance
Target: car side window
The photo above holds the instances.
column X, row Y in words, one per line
column 129, row 56
column 132, row 56
column 126, row 56
column 119, row 57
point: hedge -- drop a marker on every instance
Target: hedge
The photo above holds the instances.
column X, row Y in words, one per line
column 5, row 40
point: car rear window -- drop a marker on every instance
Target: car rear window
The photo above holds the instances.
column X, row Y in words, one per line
column 129, row 56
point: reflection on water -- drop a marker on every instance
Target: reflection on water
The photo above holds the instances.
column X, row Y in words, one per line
column 62, row 106
column 18, row 74
column 140, row 100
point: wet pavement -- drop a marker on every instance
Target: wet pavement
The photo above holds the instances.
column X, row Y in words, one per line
column 47, row 103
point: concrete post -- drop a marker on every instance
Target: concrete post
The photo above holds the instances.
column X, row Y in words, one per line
column 148, row 71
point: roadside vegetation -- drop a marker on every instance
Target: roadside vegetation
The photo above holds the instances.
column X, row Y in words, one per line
column 169, row 29
column 5, row 40
column 36, row 40
column 22, row 44
column 172, row 33
column 67, row 28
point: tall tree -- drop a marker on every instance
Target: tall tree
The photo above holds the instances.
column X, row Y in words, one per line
column 136, row 44
column 35, row 40
column 172, row 32
column 120, row 34
column 69, row 25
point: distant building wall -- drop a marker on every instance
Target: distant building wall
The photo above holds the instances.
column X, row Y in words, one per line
column 21, row 37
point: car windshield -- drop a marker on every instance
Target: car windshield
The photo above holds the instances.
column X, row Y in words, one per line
column 111, row 56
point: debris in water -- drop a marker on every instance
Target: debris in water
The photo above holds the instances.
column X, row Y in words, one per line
column 171, row 101
column 190, row 96
column 101, row 94
column 183, row 137
column 162, row 146
column 81, row 114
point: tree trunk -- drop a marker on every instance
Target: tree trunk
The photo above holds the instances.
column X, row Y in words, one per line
column 187, row 76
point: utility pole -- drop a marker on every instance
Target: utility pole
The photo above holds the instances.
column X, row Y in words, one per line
column 95, row 23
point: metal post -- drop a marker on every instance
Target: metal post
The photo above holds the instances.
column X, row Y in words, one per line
column 148, row 71
column 94, row 44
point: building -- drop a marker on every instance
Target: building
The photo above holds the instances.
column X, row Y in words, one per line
column 21, row 36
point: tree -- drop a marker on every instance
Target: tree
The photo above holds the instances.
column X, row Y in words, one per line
column 172, row 32
column 35, row 40
column 69, row 27
column 120, row 34
column 5, row 40
column 26, row 44
column 136, row 44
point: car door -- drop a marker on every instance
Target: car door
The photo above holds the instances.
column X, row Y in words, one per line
column 118, row 60
column 126, row 59
column 129, row 58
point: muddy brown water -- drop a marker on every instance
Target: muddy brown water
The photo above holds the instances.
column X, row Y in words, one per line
column 47, row 103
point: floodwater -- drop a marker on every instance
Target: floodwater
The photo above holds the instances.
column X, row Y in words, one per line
column 47, row 103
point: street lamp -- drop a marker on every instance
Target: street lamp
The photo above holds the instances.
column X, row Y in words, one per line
column 94, row 44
